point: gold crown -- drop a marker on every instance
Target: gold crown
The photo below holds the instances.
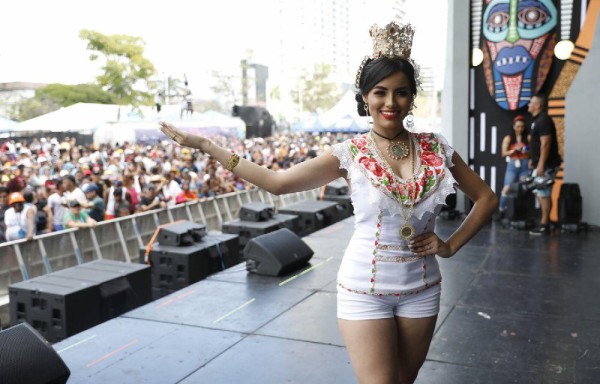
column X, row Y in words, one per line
column 394, row 40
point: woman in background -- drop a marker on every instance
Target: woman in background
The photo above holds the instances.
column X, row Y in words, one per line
column 515, row 147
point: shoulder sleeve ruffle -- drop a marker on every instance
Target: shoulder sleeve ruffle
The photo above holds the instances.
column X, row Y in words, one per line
column 344, row 155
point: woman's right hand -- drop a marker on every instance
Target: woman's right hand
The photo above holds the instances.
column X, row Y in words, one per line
column 184, row 138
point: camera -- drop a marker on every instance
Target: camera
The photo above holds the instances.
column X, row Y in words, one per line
column 532, row 183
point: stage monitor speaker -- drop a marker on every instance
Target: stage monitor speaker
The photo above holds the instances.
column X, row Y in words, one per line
column 256, row 211
column 276, row 253
column 181, row 233
column 26, row 357
column 570, row 204
column 449, row 211
column 520, row 203
column 337, row 187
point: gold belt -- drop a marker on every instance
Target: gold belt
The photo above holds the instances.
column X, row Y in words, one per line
column 398, row 259
column 395, row 259
column 392, row 247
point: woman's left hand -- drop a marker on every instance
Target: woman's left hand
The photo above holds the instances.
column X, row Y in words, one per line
column 429, row 243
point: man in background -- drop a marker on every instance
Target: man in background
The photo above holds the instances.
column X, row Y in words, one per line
column 96, row 206
column 545, row 159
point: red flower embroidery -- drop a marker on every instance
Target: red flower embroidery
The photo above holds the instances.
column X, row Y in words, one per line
column 431, row 159
column 361, row 144
column 371, row 165
column 425, row 145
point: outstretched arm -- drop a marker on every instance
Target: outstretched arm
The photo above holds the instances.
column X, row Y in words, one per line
column 304, row 176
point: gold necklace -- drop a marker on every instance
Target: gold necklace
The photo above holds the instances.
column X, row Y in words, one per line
column 407, row 231
column 397, row 150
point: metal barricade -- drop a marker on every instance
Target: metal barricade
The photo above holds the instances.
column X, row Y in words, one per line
column 122, row 238
column 11, row 271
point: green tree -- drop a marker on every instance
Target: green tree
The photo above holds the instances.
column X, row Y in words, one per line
column 126, row 72
column 33, row 107
column 66, row 95
column 54, row 96
column 316, row 91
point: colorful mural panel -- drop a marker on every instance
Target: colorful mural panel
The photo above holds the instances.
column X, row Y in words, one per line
column 518, row 39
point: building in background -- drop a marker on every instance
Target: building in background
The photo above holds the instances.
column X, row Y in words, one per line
column 332, row 32
column 12, row 93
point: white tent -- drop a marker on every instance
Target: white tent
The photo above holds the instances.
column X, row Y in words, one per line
column 6, row 125
column 342, row 117
column 80, row 117
column 208, row 124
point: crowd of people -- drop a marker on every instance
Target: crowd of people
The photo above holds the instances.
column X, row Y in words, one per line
column 48, row 184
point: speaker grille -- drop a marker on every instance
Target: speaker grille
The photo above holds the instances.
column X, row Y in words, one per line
column 26, row 357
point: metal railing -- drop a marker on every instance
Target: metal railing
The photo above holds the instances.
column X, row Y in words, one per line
column 122, row 238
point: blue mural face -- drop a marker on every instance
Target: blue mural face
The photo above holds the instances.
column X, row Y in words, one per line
column 515, row 33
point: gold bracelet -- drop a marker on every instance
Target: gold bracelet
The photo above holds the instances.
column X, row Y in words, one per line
column 232, row 162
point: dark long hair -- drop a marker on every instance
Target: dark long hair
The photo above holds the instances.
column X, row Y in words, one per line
column 378, row 69
column 513, row 135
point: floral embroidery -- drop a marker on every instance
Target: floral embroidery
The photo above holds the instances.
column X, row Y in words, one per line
column 374, row 260
column 375, row 168
column 431, row 159
column 432, row 169
column 405, row 293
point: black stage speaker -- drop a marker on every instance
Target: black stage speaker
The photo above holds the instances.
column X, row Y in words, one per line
column 27, row 358
column 259, row 122
column 337, row 187
column 570, row 204
column 57, row 307
column 276, row 253
column 66, row 302
column 520, row 203
column 256, row 211
column 181, row 233
column 449, row 211
column 246, row 230
column 121, row 286
column 176, row 267
column 314, row 215
column 344, row 205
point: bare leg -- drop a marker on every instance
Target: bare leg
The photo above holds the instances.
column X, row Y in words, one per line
column 414, row 338
column 373, row 349
column 546, row 206
column 387, row 351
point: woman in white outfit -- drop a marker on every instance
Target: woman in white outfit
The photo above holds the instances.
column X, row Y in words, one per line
column 389, row 280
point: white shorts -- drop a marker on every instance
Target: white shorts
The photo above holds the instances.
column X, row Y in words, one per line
column 359, row 306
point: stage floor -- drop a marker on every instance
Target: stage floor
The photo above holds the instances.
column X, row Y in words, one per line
column 514, row 309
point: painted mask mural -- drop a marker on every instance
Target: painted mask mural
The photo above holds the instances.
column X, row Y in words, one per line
column 518, row 42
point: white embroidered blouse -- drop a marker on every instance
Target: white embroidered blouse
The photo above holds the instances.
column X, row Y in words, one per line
column 377, row 260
